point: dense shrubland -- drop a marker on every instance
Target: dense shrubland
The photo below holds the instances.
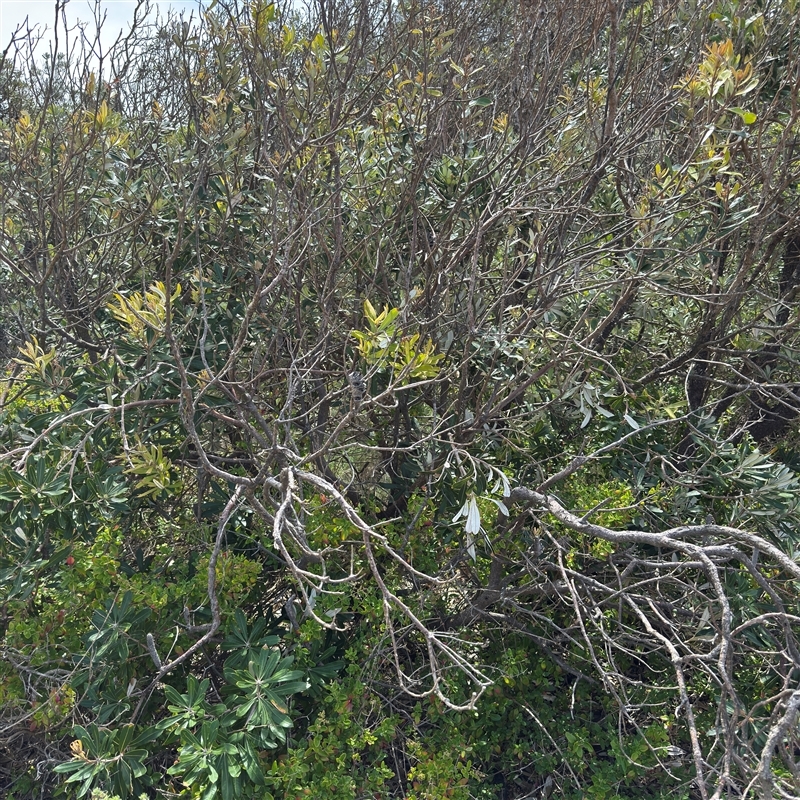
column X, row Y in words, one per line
column 401, row 400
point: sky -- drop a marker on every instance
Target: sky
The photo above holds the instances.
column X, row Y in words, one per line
column 42, row 13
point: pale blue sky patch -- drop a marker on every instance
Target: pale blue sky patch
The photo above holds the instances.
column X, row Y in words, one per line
column 40, row 15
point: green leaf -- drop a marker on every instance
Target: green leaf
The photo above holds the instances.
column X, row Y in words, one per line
column 748, row 117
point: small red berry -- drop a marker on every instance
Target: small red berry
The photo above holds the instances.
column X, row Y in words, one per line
column 70, row 561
